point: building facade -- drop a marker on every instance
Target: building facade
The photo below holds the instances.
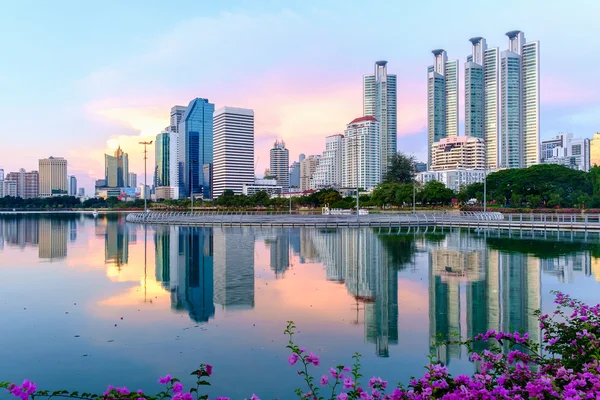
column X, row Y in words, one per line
column 233, row 150
column 328, row 173
column 162, row 159
column 295, row 174
column 361, row 164
column 8, row 188
column 566, row 150
column 442, row 99
column 177, row 113
column 308, row 166
column 176, row 157
column 26, row 183
column 380, row 102
column 454, row 179
column 461, row 152
column 595, row 150
column 279, row 164
column 196, row 145
column 52, row 177
column 132, row 180
column 262, row 185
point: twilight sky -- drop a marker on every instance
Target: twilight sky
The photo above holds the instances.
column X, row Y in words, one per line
column 78, row 78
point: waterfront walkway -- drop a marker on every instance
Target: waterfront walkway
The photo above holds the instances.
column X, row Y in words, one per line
column 545, row 222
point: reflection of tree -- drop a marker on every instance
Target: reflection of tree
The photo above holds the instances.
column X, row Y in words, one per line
column 400, row 249
column 541, row 248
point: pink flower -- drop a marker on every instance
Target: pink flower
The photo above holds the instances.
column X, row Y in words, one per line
column 324, row 380
column 188, row 396
column 208, row 369
column 223, row 398
column 342, row 396
column 177, row 387
column 122, row 390
column 254, row 397
column 293, row 358
column 348, row 384
column 165, row 379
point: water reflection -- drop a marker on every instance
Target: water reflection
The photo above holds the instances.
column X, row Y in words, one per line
column 477, row 280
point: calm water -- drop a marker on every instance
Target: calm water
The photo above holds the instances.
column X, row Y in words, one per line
column 85, row 302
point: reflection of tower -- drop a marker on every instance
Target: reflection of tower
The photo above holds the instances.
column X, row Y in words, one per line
column 162, row 243
column 307, row 250
column 190, row 265
column 21, row 230
column 444, row 314
column 566, row 267
column 53, row 238
column 116, row 245
column 72, row 230
column 234, row 268
column 294, row 234
column 279, row 248
column 520, row 293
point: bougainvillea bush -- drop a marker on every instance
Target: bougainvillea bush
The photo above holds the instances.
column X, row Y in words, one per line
column 564, row 365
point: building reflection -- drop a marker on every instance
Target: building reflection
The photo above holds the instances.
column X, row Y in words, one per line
column 358, row 259
column 19, row 231
column 204, row 267
column 53, row 234
column 279, row 249
column 116, row 241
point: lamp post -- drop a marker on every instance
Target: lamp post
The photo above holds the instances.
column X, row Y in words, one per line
column 145, row 174
column 414, row 184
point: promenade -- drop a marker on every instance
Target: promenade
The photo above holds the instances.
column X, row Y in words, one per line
column 544, row 222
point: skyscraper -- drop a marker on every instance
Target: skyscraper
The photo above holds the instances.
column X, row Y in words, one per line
column 360, row 154
column 196, row 142
column 176, row 157
column 442, row 99
column 162, row 154
column 474, row 93
column 176, row 115
column 72, row 185
column 491, row 111
column 379, row 101
column 233, row 150
column 595, row 150
column 52, row 177
column 116, row 169
column 295, row 174
column 520, row 131
column 279, row 164
column 132, row 180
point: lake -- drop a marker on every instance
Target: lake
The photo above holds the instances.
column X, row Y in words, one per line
column 86, row 302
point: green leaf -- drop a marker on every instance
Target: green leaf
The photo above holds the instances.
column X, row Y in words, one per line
column 74, row 394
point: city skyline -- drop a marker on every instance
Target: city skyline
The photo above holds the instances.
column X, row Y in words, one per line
column 117, row 92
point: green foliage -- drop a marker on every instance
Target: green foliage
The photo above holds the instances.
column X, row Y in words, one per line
column 435, row 193
column 401, row 169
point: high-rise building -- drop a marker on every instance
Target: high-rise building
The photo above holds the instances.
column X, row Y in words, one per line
column 491, row 110
column 442, row 98
column 132, row 180
column 176, row 157
column 279, row 164
column 233, row 165
column 520, row 132
column 8, row 188
column 162, row 154
column 81, row 192
column 474, row 90
column 308, row 166
column 1, row 174
column 196, row 145
column 72, row 185
column 360, row 154
column 116, row 169
column 461, row 152
column 380, row 101
column 595, row 150
column 26, row 183
column 52, row 177
column 568, row 151
column 177, row 113
column 295, row 174
column 329, row 169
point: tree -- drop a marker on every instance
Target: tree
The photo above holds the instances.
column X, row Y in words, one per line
column 404, row 194
column 534, row 200
column 400, row 170
column 435, row 193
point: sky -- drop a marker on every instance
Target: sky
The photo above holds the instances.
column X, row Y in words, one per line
column 77, row 79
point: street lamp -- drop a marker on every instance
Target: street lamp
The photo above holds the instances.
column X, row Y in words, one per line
column 145, row 174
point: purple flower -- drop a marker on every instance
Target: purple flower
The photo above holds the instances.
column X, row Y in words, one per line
column 165, row 379
column 313, row 359
column 177, row 387
column 208, row 369
column 254, row 397
column 346, row 369
column 324, row 380
column 348, row 384
column 140, row 391
column 293, row 358
column 123, row 390
column 302, row 350
column 223, row 398
column 342, row 396
column 188, row 396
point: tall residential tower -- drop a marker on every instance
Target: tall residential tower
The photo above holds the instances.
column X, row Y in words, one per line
column 442, row 99
column 380, row 101
column 279, row 166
